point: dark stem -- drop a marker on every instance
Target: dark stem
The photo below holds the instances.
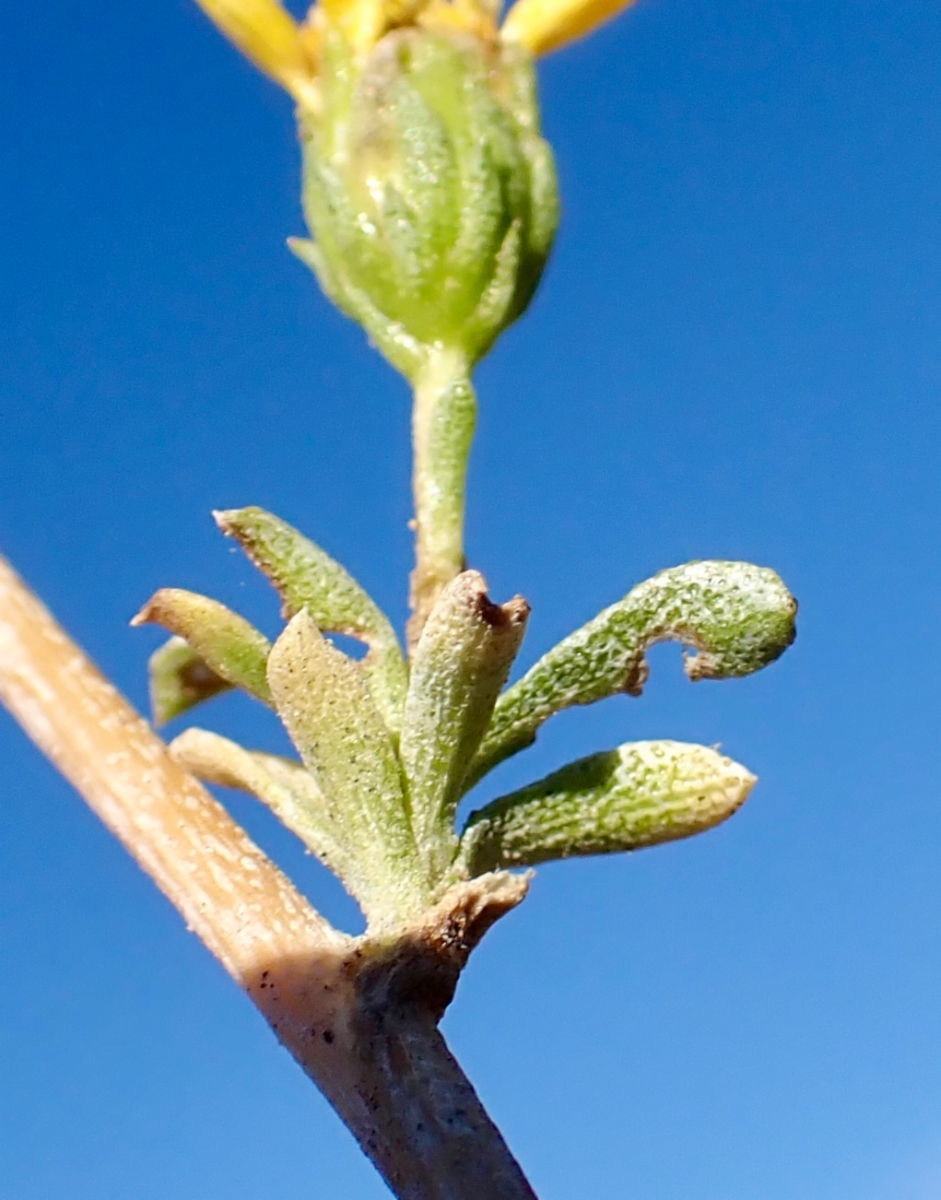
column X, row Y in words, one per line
column 385, row 1068
column 427, row 1131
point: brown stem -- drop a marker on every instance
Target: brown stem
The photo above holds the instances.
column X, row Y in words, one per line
column 393, row 1079
column 350, row 1012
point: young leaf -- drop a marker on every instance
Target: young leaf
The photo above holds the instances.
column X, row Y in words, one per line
column 287, row 789
column 322, row 698
column 308, row 578
column 639, row 795
column 179, row 680
column 738, row 617
column 229, row 646
column 461, row 662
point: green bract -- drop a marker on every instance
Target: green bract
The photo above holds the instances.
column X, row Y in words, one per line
column 429, row 191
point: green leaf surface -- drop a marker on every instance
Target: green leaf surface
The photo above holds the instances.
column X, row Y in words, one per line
column 306, row 577
column 460, row 664
column 285, row 787
column 226, row 643
column 326, row 706
column 639, row 795
column 179, row 680
column 736, row 616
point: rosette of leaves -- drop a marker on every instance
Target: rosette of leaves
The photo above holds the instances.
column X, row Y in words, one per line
column 388, row 747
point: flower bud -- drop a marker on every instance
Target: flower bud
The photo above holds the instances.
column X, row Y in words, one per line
column 428, row 188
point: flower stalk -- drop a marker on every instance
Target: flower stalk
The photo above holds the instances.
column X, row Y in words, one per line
column 444, row 415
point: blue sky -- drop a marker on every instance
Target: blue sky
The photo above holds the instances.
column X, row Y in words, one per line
column 736, row 354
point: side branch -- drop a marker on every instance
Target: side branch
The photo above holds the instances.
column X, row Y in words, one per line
column 338, row 1004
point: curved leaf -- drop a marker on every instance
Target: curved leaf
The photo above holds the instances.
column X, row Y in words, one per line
column 287, row 789
column 738, row 617
column 227, row 644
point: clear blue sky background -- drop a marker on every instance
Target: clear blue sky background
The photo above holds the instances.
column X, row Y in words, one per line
column 736, row 354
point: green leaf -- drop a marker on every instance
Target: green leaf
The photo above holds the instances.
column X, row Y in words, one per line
column 179, row 680
column 460, row 664
column 229, row 646
column 325, row 704
column 308, row 578
column 639, row 795
column 287, row 789
column 738, row 617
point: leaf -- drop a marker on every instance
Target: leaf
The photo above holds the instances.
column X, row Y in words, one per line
column 460, row 664
column 639, row 795
column 226, row 643
column 179, row 680
column 286, row 788
column 738, row 617
column 322, row 698
column 306, row 577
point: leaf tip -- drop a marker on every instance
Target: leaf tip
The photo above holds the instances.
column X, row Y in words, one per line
column 225, row 518
column 151, row 611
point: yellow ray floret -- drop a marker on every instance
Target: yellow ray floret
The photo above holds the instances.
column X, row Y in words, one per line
column 268, row 35
column 544, row 25
column 362, row 22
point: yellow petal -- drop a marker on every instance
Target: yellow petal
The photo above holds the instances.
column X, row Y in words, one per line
column 476, row 17
column 544, row 25
column 268, row 35
column 362, row 22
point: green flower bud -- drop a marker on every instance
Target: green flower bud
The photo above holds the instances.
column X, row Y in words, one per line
column 428, row 188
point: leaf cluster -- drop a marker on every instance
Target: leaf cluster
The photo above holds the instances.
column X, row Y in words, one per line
column 388, row 747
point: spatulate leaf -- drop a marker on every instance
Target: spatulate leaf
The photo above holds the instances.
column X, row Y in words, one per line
column 639, row 795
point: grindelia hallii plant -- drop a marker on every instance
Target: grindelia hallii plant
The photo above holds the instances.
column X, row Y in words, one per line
column 431, row 201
